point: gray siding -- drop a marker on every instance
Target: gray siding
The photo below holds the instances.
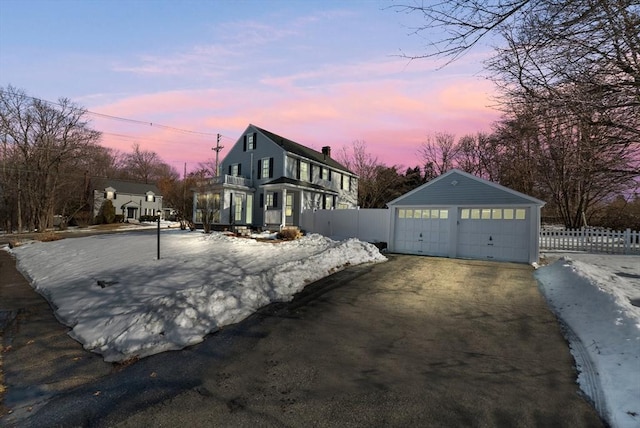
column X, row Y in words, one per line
column 466, row 191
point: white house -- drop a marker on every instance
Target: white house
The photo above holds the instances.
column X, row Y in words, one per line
column 130, row 199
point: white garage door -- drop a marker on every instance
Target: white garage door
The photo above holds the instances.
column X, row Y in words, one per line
column 493, row 234
column 422, row 231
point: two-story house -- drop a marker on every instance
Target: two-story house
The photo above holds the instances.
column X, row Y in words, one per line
column 130, row 199
column 266, row 181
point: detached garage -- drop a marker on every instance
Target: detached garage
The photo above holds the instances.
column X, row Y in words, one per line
column 460, row 215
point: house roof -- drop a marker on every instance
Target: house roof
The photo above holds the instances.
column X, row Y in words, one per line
column 461, row 188
column 300, row 150
column 124, row 186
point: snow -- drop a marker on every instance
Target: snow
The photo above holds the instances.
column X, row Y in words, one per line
column 594, row 296
column 122, row 302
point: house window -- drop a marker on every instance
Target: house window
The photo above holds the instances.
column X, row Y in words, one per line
column 235, row 169
column 325, row 174
column 289, row 205
column 304, row 171
column 238, row 208
column 346, row 182
column 110, row 194
column 151, row 197
column 265, row 168
column 250, row 142
column 271, row 200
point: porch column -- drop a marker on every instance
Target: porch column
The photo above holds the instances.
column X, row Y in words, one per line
column 264, row 207
column 284, row 210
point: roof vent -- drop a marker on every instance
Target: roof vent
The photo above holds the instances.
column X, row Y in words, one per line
column 326, row 151
column 454, row 182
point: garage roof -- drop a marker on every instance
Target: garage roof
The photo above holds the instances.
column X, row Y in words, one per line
column 457, row 187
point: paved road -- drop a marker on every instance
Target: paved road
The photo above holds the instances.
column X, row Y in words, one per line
column 415, row 341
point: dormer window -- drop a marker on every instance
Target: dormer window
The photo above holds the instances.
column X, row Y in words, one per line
column 151, row 197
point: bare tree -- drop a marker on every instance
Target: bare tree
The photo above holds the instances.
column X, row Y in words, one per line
column 439, row 153
column 41, row 141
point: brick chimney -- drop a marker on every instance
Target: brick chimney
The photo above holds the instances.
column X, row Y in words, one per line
column 326, row 151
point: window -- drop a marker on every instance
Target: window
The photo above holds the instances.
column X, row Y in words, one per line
column 325, row 174
column 327, row 202
column 110, row 194
column 444, row 214
column 486, row 213
column 151, row 197
column 265, row 168
column 520, row 214
column 346, row 182
column 235, row 169
column 250, row 141
column 271, row 200
column 464, row 214
column 508, row 214
column 401, row 213
column 304, row 171
column 237, row 208
column 289, row 205
column 496, row 214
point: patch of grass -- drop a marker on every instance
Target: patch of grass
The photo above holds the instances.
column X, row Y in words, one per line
column 48, row 237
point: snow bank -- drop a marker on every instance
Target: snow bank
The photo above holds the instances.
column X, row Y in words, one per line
column 592, row 294
column 121, row 302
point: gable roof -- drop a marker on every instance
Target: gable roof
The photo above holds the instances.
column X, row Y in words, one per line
column 457, row 187
column 300, row 150
column 124, row 186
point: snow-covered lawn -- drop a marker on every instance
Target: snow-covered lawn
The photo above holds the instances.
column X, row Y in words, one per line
column 597, row 298
column 122, row 302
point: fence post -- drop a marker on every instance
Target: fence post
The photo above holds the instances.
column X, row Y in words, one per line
column 627, row 241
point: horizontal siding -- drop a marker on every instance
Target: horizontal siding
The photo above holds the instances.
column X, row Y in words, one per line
column 466, row 191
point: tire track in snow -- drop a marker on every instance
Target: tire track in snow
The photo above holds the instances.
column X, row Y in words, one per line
column 590, row 384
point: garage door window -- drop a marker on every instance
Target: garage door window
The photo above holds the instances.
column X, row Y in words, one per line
column 491, row 214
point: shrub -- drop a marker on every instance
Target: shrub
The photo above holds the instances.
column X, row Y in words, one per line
column 48, row 237
column 289, row 234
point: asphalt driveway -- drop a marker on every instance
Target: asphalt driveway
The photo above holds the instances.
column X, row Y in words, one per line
column 415, row 341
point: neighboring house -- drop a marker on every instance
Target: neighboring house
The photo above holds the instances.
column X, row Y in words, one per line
column 461, row 215
column 266, row 181
column 130, row 199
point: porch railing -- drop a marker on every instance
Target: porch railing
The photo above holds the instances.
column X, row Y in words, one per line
column 225, row 179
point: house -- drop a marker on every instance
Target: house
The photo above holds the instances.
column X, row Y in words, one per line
column 130, row 199
column 463, row 216
column 266, row 181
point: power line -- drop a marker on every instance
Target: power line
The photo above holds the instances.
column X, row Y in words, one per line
column 122, row 119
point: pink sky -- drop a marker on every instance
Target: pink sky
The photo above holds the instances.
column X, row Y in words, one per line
column 319, row 72
column 392, row 115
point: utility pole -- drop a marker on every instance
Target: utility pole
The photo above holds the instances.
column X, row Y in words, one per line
column 217, row 149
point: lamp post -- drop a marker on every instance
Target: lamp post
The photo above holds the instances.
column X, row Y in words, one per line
column 158, row 213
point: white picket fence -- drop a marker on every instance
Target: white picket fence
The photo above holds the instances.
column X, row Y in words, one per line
column 591, row 240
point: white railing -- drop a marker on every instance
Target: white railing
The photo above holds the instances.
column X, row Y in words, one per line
column 272, row 216
column 225, row 179
column 591, row 240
